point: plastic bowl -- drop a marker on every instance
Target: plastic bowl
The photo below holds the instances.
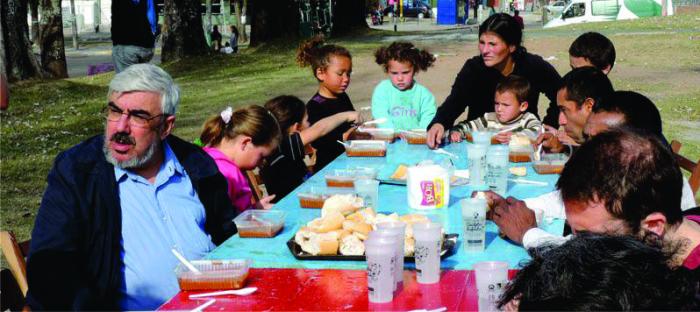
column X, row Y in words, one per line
column 259, row 223
column 216, row 274
column 550, row 163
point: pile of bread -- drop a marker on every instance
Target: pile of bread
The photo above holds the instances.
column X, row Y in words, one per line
column 345, row 224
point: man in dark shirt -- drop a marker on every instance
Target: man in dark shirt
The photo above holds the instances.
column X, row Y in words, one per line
column 134, row 27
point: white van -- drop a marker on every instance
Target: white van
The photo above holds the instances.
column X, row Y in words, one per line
column 584, row 11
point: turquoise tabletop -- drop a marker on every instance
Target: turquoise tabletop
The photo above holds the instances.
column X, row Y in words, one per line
column 274, row 253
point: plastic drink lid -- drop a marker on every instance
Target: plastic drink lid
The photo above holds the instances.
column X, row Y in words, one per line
column 499, row 149
column 391, row 226
column 427, row 231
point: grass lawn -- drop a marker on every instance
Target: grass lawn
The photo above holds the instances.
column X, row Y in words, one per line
column 659, row 57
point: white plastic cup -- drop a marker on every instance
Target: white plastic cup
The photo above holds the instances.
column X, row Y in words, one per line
column 398, row 229
column 368, row 189
column 476, row 157
column 497, row 168
column 381, row 256
column 482, row 137
column 474, row 224
column 491, row 279
column 427, row 251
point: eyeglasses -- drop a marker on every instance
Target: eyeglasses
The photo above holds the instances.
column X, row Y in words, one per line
column 136, row 118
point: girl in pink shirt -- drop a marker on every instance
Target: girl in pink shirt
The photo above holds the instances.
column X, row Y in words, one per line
column 239, row 140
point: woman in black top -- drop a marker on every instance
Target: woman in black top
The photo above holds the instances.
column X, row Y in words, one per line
column 501, row 55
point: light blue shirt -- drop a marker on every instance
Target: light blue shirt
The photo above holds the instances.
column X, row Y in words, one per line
column 156, row 218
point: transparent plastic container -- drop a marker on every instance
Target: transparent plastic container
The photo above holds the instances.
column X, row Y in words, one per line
column 549, row 163
column 469, row 137
column 416, row 136
column 260, row 223
column 380, row 134
column 520, row 149
column 315, row 196
column 345, row 178
column 365, row 148
column 216, row 274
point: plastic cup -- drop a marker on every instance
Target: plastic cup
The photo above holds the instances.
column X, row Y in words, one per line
column 476, row 157
column 474, row 224
column 381, row 257
column 427, row 251
column 491, row 279
column 482, row 137
column 368, row 189
column 497, row 168
column 539, row 217
column 398, row 229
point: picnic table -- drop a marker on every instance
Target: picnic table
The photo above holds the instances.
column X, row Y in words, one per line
column 336, row 285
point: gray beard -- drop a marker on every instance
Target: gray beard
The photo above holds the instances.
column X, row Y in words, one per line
column 133, row 163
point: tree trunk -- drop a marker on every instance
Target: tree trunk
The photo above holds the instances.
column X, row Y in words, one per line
column 349, row 16
column 74, row 24
column 207, row 27
column 272, row 20
column 34, row 11
column 226, row 15
column 244, row 12
column 53, row 53
column 18, row 60
column 243, row 37
column 97, row 17
column 183, row 35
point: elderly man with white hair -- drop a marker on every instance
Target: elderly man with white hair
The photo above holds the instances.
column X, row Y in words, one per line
column 116, row 204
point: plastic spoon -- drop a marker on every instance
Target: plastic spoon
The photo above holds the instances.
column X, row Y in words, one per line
column 539, row 146
column 185, row 262
column 238, row 292
column 346, row 145
column 204, row 306
column 442, row 151
column 377, row 121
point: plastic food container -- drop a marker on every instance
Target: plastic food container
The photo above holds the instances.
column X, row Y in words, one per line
column 550, row 163
column 315, row 196
column 416, row 136
column 345, row 178
column 340, row 178
column 380, row 134
column 520, row 153
column 216, row 274
column 364, row 148
column 470, row 139
column 259, row 223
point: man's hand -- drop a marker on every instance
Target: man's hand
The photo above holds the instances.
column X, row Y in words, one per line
column 492, row 200
column 566, row 139
column 265, row 202
column 514, row 219
column 455, row 137
column 550, row 140
column 435, row 134
column 503, row 137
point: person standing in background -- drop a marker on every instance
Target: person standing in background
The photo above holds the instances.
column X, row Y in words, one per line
column 134, row 27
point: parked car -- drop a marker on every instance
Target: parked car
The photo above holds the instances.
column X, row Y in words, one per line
column 412, row 11
column 556, row 7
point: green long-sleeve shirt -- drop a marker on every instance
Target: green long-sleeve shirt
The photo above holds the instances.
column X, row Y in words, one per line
column 404, row 110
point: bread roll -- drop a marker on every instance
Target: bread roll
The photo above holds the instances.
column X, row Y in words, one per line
column 346, row 204
column 331, row 222
column 356, row 217
column 518, row 171
column 352, row 246
column 414, row 218
column 359, row 227
column 409, row 247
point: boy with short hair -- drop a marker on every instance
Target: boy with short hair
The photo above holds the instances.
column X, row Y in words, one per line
column 509, row 116
column 592, row 49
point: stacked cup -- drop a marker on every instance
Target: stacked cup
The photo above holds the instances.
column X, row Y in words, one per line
column 381, row 257
column 497, row 168
column 491, row 279
column 427, row 251
column 474, row 224
column 397, row 231
column 476, row 156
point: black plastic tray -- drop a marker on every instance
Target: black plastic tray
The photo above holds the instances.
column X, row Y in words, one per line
column 448, row 249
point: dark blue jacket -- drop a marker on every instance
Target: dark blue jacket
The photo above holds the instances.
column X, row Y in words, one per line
column 75, row 257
